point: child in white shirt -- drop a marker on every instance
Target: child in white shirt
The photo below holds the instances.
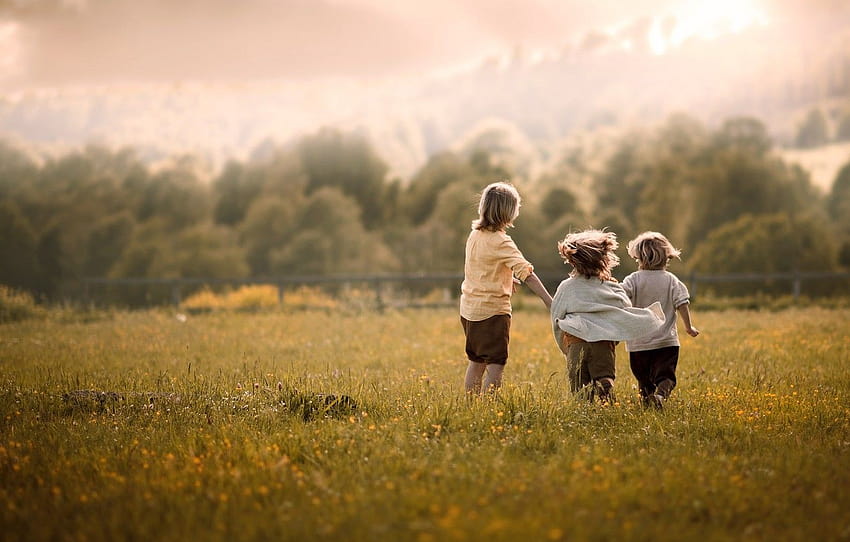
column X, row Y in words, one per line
column 653, row 357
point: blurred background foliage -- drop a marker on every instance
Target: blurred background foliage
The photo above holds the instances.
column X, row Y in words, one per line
column 325, row 205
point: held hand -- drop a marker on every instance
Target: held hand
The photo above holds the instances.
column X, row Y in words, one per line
column 692, row 331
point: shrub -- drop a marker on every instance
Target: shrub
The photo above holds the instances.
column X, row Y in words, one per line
column 16, row 306
column 259, row 297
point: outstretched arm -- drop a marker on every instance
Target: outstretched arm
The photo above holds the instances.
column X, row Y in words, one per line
column 685, row 314
column 533, row 282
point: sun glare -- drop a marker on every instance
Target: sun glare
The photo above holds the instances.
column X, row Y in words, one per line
column 9, row 49
column 705, row 20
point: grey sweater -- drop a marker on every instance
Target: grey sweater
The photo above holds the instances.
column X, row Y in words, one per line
column 596, row 310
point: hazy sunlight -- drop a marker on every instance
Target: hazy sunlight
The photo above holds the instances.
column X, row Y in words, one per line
column 705, row 20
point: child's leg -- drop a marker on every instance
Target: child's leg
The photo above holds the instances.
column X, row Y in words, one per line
column 576, row 356
column 602, row 367
column 641, row 365
column 486, row 344
column 493, row 378
column 474, row 374
column 664, row 365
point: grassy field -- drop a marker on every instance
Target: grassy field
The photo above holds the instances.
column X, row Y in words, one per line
column 755, row 442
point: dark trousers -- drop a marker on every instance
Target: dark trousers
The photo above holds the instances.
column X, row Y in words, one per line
column 655, row 370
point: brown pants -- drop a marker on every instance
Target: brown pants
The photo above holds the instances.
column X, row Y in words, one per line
column 587, row 362
column 487, row 340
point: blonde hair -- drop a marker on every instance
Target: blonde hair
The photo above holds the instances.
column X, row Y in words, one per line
column 591, row 253
column 498, row 207
column 651, row 250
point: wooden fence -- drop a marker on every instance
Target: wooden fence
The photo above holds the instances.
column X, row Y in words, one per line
column 451, row 281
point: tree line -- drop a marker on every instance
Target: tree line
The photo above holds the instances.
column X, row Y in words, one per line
column 325, row 204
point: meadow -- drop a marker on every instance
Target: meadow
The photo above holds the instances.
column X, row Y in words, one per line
column 218, row 430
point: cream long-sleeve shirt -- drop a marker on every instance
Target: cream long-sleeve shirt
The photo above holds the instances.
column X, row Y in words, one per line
column 492, row 260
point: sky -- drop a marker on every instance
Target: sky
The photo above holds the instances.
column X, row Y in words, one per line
column 219, row 77
column 48, row 43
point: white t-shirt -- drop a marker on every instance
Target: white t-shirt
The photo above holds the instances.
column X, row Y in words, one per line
column 647, row 286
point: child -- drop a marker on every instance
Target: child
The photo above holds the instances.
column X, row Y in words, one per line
column 591, row 312
column 653, row 358
column 492, row 262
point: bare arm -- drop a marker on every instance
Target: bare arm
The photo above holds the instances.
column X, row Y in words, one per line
column 685, row 314
column 537, row 287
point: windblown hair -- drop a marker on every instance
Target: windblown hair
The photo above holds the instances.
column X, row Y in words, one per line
column 591, row 253
column 651, row 250
column 498, row 207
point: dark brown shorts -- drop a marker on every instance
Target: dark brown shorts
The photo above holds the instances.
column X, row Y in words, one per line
column 487, row 340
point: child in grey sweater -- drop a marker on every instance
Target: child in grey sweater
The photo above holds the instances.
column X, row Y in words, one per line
column 653, row 357
column 591, row 313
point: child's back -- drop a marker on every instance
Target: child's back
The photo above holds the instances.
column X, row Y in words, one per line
column 647, row 286
column 597, row 310
column 653, row 358
column 492, row 262
column 591, row 312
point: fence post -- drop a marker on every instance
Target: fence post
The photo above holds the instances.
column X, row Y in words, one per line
column 796, row 285
column 378, row 299
column 280, row 293
column 175, row 293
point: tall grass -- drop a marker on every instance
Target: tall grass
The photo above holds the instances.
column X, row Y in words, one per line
column 212, row 434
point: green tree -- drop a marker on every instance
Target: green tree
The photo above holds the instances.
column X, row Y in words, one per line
column 420, row 197
column 18, row 245
column 68, row 198
column 558, row 202
column 54, row 261
column 838, row 202
column 177, row 197
column 448, row 227
column 328, row 237
column 738, row 175
column 147, row 241
column 622, row 179
column 666, row 197
column 814, row 131
column 745, row 134
column 267, row 226
column 768, row 243
column 347, row 162
column 838, row 207
column 107, row 240
column 534, row 235
column 234, row 190
column 16, row 169
column 204, row 250
column 275, row 172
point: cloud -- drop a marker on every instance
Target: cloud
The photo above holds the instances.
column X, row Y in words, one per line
column 104, row 41
column 85, row 42
column 118, row 40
